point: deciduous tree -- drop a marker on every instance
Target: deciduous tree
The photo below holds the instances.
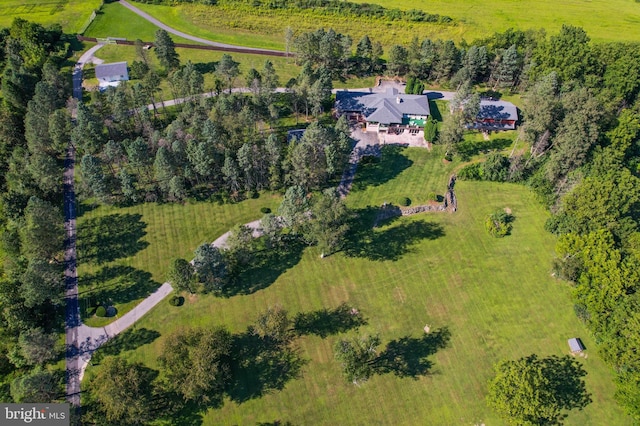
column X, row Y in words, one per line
column 124, row 392
column 210, row 267
column 197, row 363
column 274, row 325
column 181, row 275
column 534, row 391
column 358, row 357
column 39, row 385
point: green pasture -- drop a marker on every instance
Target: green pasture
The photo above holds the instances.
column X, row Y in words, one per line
column 604, row 20
column 124, row 253
column 616, row 20
column 71, row 14
column 495, row 296
column 247, row 26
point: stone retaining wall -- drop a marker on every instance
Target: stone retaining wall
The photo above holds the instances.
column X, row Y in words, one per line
column 450, row 205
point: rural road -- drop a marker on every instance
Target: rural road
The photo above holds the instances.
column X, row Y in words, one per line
column 71, row 282
column 81, row 340
column 185, row 35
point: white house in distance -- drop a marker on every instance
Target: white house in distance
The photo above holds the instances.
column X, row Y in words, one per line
column 388, row 112
column 110, row 75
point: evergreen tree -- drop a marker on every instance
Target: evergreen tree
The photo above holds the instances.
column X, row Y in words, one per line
column 166, row 50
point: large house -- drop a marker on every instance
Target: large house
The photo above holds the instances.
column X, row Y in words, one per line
column 387, row 111
column 110, row 75
column 496, row 115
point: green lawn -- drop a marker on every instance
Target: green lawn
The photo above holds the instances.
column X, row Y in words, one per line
column 495, row 296
column 71, row 14
column 117, row 21
column 124, row 253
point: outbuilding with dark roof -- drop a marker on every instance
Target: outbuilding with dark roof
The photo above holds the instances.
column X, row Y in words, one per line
column 497, row 115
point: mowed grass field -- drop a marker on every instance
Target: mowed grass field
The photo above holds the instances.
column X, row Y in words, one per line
column 71, row 14
column 124, row 253
column 495, row 296
column 116, row 20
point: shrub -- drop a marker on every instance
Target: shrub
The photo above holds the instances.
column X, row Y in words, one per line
column 176, row 301
column 405, row 201
column 265, row 210
column 430, row 129
column 498, row 224
column 101, row 312
column 471, row 172
column 496, row 168
column 448, row 156
column 433, row 196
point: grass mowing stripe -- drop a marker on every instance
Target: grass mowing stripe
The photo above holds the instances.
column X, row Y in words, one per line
column 495, row 295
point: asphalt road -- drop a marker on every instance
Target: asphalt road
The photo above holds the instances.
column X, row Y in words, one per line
column 185, row 35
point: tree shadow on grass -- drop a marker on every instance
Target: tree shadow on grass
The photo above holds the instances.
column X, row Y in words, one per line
column 114, row 285
column 325, row 322
column 565, row 377
column 107, row 238
column 127, row 341
column 261, row 366
column 435, row 110
column 467, row 149
column 265, row 268
column 390, row 242
column 205, row 67
column 407, row 356
column 375, row 173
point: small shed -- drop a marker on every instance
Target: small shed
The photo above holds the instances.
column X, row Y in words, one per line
column 111, row 74
column 576, row 345
column 496, row 115
column 295, row 135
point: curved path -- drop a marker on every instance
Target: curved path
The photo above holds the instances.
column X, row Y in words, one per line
column 168, row 29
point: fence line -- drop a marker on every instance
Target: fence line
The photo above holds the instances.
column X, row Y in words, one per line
column 190, row 46
column 91, row 18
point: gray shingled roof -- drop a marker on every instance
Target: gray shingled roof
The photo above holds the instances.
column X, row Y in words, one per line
column 497, row 110
column 387, row 107
column 110, row 70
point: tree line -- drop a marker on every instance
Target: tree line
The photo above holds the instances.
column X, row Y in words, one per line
column 581, row 124
column 34, row 128
column 331, row 7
